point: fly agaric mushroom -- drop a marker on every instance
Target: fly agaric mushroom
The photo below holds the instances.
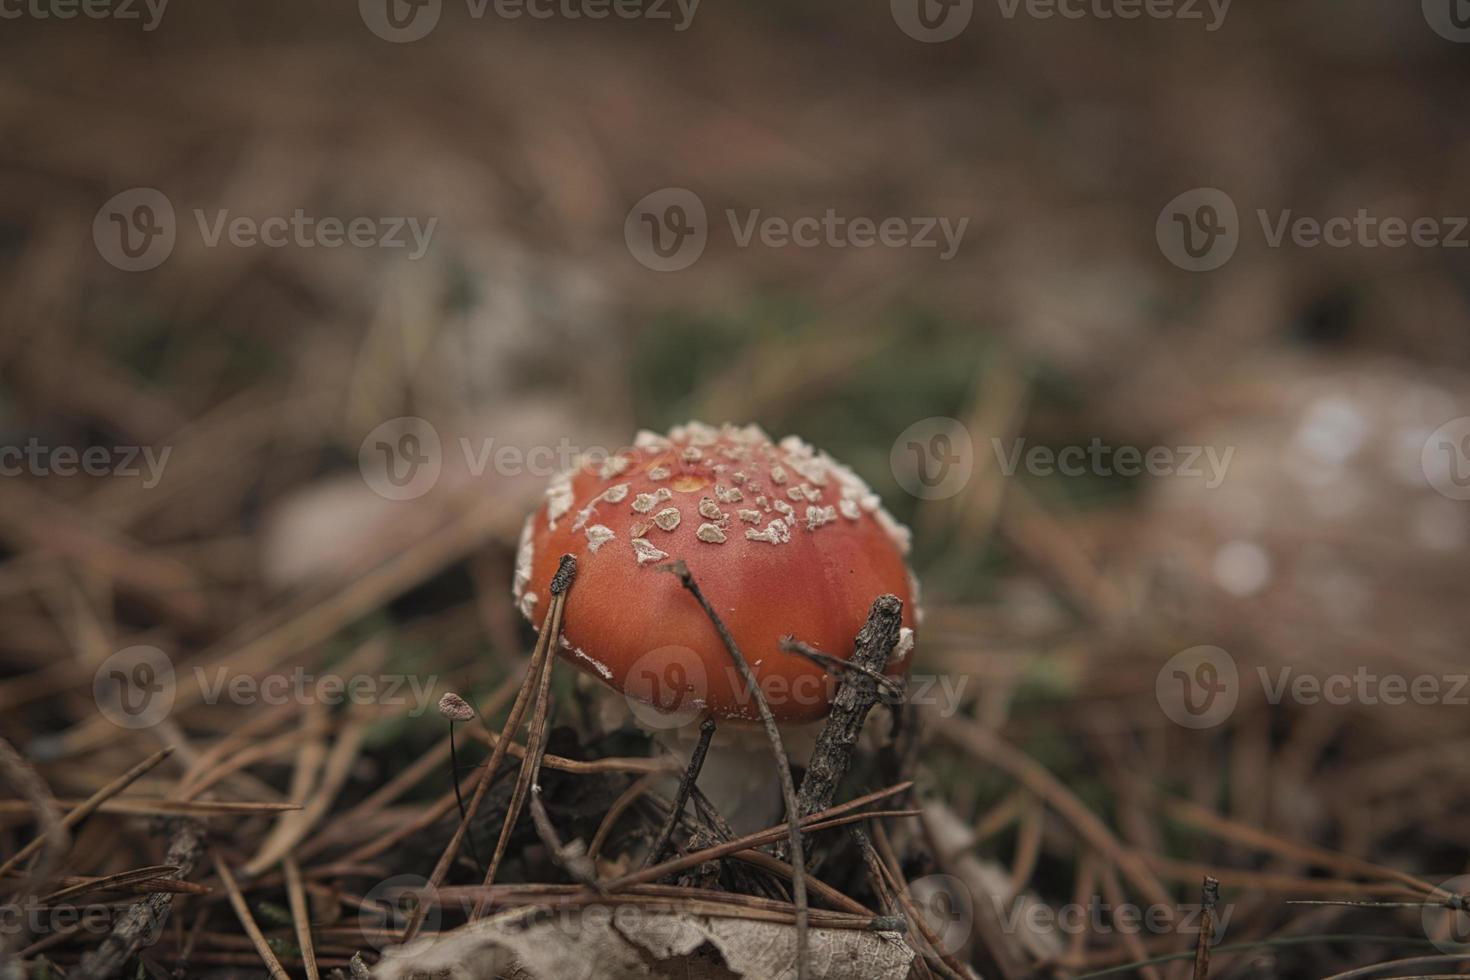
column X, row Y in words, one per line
column 783, row 540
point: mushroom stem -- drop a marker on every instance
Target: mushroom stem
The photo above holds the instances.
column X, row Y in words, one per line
column 459, row 794
column 455, row 708
column 778, row 749
column 686, row 783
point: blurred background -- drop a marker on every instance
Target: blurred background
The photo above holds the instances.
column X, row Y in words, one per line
column 243, row 247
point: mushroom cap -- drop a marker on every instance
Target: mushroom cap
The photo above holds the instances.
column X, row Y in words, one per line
column 782, row 540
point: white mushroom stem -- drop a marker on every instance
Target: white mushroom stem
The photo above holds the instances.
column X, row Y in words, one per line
column 739, row 775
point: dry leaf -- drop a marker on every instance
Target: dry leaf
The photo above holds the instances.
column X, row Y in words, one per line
column 627, row 943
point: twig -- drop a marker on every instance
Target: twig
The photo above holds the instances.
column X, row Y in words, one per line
column 1210, row 893
column 990, row 747
column 52, row 835
column 123, row 880
column 878, row 879
column 743, row 847
column 875, row 870
column 783, row 767
column 138, row 806
column 242, row 747
column 300, row 628
column 696, row 901
column 1285, row 884
column 1028, row 847
column 1010, row 950
column 1278, row 942
column 522, row 785
column 839, row 900
column 1237, row 832
column 1082, row 891
column 51, row 838
column 620, row 806
column 681, row 797
column 826, row 661
column 1112, row 890
column 832, row 755
column 90, row 805
column 1363, row 972
column 944, row 960
column 583, row 767
column 550, row 627
column 571, row 858
column 327, row 781
column 561, row 582
column 300, row 916
column 242, row 912
column 835, row 817
column 141, row 924
column 714, row 821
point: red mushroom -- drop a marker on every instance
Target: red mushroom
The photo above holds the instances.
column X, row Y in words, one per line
column 783, row 540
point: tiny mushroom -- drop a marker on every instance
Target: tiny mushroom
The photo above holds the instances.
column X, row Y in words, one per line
column 782, row 539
